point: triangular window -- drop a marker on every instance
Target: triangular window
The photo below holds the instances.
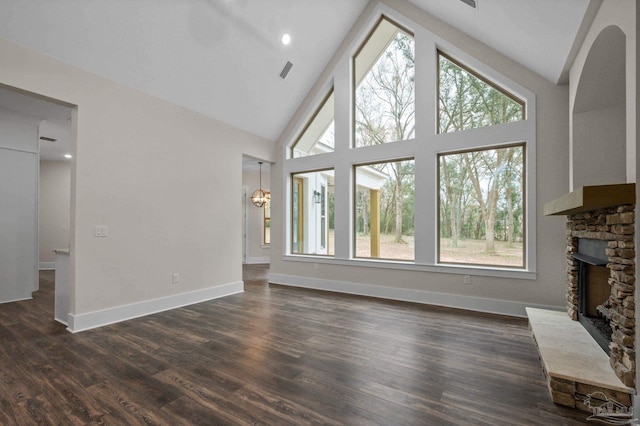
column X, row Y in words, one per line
column 384, row 76
column 467, row 101
column 318, row 136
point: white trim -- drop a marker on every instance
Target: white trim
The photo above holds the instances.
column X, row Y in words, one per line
column 245, row 222
column 470, row 303
column 87, row 321
column 254, row 260
column 462, row 269
column 47, row 266
column 16, row 300
column 36, row 284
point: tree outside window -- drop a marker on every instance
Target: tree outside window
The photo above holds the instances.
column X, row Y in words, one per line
column 481, row 214
column 467, row 101
column 385, row 93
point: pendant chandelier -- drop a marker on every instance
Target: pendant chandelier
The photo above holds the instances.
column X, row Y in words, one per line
column 259, row 197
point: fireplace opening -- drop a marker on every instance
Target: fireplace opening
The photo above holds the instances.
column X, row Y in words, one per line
column 594, row 311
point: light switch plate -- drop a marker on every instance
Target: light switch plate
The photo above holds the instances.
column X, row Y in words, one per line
column 101, row 231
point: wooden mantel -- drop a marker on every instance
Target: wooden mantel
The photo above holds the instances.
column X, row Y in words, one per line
column 588, row 198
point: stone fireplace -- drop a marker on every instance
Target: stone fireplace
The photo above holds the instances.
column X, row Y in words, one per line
column 600, row 282
column 615, row 227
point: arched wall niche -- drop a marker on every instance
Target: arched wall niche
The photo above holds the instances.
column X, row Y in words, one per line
column 599, row 113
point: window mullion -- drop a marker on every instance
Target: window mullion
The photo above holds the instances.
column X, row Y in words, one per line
column 343, row 132
column 426, row 197
column 425, row 153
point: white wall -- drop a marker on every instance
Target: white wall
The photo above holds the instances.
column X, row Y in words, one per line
column 161, row 177
column 598, row 102
column 256, row 251
column 54, row 209
column 507, row 294
column 621, row 14
column 599, row 154
column 19, row 209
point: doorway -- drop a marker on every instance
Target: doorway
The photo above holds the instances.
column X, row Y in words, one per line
column 256, row 221
column 43, row 183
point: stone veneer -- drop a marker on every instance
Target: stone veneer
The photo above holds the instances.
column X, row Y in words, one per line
column 574, row 394
column 616, row 226
column 575, row 366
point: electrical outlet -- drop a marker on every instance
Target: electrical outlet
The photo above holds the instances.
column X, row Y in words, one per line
column 316, row 266
column 175, row 279
column 467, row 279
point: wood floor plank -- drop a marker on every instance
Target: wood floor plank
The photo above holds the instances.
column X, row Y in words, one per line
column 277, row 405
column 207, row 399
column 274, row 355
column 124, row 408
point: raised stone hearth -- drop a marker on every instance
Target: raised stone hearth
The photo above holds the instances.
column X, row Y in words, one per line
column 573, row 363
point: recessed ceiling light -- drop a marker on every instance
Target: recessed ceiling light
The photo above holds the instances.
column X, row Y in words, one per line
column 68, row 156
column 286, row 39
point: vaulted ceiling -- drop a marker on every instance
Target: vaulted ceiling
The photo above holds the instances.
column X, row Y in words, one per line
column 222, row 58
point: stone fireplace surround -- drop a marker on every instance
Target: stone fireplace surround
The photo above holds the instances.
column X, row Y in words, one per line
column 616, row 226
column 604, row 213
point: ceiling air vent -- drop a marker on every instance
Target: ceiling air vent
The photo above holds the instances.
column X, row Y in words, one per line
column 471, row 3
column 44, row 138
column 285, row 70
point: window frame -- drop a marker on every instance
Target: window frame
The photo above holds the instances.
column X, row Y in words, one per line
column 301, row 229
column 476, row 74
column 354, row 83
column 424, row 148
column 311, row 120
column 354, row 209
column 266, row 216
column 523, row 145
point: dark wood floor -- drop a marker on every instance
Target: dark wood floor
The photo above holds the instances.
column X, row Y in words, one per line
column 274, row 355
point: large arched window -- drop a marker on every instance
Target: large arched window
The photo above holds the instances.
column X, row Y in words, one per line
column 430, row 167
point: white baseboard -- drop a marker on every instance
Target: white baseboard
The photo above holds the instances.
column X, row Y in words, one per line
column 45, row 266
column 471, row 303
column 83, row 322
column 20, row 299
column 254, row 260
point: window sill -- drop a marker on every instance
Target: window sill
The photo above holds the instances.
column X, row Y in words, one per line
column 411, row 266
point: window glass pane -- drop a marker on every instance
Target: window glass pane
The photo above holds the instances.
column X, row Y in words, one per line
column 318, row 136
column 384, row 77
column 467, row 102
column 481, row 214
column 312, row 213
column 384, row 199
column 267, row 223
